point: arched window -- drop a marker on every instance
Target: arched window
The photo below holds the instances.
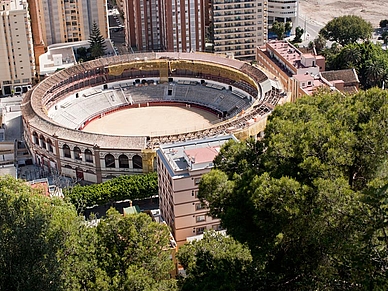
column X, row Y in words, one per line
column 35, row 138
column 42, row 141
column 77, row 154
column 50, row 146
column 109, row 161
column 88, row 156
column 123, row 162
column 66, row 151
column 137, row 162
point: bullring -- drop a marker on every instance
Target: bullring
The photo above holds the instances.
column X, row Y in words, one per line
column 58, row 111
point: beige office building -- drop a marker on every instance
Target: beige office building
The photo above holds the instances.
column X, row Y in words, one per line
column 180, row 168
column 69, row 20
column 16, row 51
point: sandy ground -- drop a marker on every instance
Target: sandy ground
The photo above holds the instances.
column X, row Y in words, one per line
column 152, row 121
column 323, row 11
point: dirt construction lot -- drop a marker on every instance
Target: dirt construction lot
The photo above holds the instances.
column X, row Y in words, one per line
column 323, row 11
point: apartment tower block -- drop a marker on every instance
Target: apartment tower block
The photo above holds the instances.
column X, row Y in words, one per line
column 63, row 21
column 16, row 49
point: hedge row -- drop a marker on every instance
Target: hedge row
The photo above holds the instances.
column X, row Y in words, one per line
column 116, row 189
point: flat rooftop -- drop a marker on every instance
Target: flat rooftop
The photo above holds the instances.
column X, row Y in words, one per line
column 185, row 157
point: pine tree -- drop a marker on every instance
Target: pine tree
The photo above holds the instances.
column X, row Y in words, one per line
column 97, row 42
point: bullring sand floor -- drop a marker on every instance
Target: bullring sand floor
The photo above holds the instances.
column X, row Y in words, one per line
column 152, row 121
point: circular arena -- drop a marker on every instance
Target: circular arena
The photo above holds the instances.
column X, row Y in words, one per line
column 105, row 118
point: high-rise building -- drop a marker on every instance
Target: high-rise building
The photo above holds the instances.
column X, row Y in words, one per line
column 180, row 168
column 168, row 25
column 183, row 28
column 16, row 50
column 239, row 26
column 142, row 19
column 69, row 20
column 228, row 26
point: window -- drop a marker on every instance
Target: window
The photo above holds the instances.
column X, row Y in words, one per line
column 137, row 162
column 35, row 138
column 123, row 162
column 66, row 151
column 199, row 230
column 77, row 153
column 88, row 156
column 42, row 142
column 50, row 146
column 217, row 227
column 109, row 161
column 197, row 180
column 200, row 218
column 194, row 193
column 200, row 206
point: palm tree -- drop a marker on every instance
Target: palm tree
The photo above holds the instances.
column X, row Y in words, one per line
column 375, row 73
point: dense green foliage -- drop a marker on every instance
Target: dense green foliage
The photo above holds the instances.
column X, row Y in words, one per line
column 44, row 245
column 96, row 42
column 298, row 34
column 319, row 43
column 309, row 199
column 216, row 262
column 123, row 253
column 280, row 29
column 120, row 188
column 35, row 232
column 369, row 60
column 347, row 29
column 383, row 23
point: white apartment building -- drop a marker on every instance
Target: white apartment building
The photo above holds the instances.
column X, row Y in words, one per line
column 283, row 11
column 180, row 168
column 16, row 49
column 239, row 26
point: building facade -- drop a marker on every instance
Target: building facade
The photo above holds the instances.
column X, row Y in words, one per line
column 180, row 168
column 234, row 27
column 155, row 25
column 16, row 48
column 238, row 27
column 69, row 20
column 142, row 30
column 283, row 11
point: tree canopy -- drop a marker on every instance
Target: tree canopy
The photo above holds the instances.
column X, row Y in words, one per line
column 129, row 253
column 120, row 188
column 215, row 262
column 44, row 245
column 347, row 29
column 35, row 235
column 280, row 29
column 309, row 199
column 383, row 23
column 298, row 34
column 369, row 60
